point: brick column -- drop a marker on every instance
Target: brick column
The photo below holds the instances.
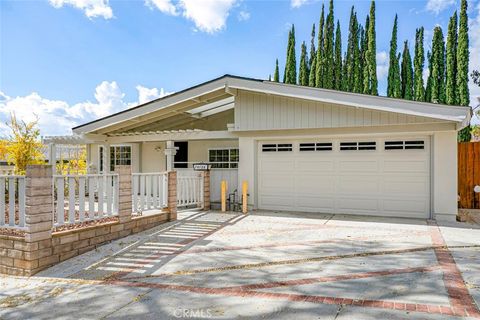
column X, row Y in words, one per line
column 172, row 195
column 125, row 192
column 38, row 220
column 206, row 190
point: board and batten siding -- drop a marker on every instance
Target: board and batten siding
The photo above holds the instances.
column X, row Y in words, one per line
column 255, row 111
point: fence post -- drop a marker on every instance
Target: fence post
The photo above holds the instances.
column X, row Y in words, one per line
column 124, row 192
column 206, row 190
column 172, row 195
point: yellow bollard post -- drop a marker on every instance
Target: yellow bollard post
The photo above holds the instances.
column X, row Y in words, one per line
column 224, row 195
column 244, row 197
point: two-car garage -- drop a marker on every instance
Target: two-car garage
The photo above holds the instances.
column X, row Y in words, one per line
column 388, row 176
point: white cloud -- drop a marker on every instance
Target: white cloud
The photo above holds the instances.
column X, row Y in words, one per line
column 243, row 15
column 91, row 8
column 57, row 117
column 298, row 3
column 382, row 65
column 146, row 94
column 208, row 15
column 437, row 6
column 165, row 6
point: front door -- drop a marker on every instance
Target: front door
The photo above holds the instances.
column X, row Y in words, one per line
column 181, row 158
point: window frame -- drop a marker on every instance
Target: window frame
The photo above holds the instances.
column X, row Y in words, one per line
column 112, row 159
column 402, row 145
column 358, row 146
column 277, row 147
column 230, row 163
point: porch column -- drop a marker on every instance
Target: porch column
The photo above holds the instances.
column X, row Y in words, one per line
column 106, row 158
column 52, row 156
column 170, row 152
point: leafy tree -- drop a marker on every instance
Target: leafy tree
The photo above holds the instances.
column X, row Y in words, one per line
column 451, row 75
column 338, row 58
column 3, row 149
column 418, row 63
column 303, row 73
column 312, row 56
column 393, row 82
column 276, row 76
column 463, row 57
column 407, row 73
column 24, row 146
column 329, row 60
column 320, row 51
column 438, row 67
column 370, row 83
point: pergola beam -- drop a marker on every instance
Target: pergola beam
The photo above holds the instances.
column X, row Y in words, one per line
column 178, row 135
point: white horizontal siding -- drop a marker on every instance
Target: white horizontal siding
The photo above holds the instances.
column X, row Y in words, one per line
column 255, row 111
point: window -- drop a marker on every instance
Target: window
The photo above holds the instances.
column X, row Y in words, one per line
column 281, row 147
column 405, row 145
column 224, row 158
column 324, row 146
column 369, row 145
column 119, row 155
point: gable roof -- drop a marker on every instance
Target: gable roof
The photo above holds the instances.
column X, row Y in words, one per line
column 457, row 114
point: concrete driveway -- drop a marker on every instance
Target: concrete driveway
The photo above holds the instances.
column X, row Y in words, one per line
column 263, row 266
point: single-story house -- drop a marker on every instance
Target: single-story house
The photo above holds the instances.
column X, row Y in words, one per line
column 298, row 148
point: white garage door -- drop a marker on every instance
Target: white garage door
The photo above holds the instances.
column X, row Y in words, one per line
column 384, row 177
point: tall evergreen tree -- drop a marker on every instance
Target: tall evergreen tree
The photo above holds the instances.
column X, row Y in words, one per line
column 289, row 45
column 311, row 76
column 407, row 73
column 329, row 58
column 370, row 83
column 320, row 51
column 291, row 76
column 418, row 62
column 303, row 73
column 393, row 83
column 345, row 75
column 338, row 58
column 428, row 88
column 451, row 70
column 352, row 46
column 312, row 54
column 360, row 58
column 276, row 75
column 438, row 67
column 463, row 57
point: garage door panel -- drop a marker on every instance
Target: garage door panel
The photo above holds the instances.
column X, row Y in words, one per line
column 371, row 182
column 357, row 165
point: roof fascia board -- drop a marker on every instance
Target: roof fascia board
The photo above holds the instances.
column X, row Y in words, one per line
column 449, row 113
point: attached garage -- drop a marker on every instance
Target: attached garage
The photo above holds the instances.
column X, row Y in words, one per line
column 368, row 176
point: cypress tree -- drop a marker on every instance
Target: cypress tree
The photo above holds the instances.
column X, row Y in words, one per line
column 438, row 67
column 418, row 62
column 345, row 75
column 407, row 74
column 451, row 75
column 462, row 57
column 338, row 58
column 291, row 76
column 393, row 84
column 365, row 75
column 276, row 76
column 312, row 54
column 320, row 51
column 329, row 60
column 303, row 73
column 289, row 44
column 428, row 89
column 311, row 76
column 351, row 61
column 359, row 57
column 370, row 82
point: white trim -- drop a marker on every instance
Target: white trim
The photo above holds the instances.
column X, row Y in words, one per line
column 229, row 162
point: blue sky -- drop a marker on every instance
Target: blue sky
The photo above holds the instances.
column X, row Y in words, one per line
column 71, row 61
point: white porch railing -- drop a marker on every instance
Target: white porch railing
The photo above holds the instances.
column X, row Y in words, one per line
column 79, row 198
column 149, row 191
column 12, row 201
column 189, row 188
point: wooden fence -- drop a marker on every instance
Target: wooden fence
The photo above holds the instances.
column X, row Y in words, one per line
column 468, row 174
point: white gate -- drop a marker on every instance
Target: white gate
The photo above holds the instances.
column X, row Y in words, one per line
column 189, row 188
column 150, row 191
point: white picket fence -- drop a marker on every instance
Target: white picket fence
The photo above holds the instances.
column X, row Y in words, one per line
column 12, row 201
column 189, row 188
column 149, row 191
column 80, row 198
